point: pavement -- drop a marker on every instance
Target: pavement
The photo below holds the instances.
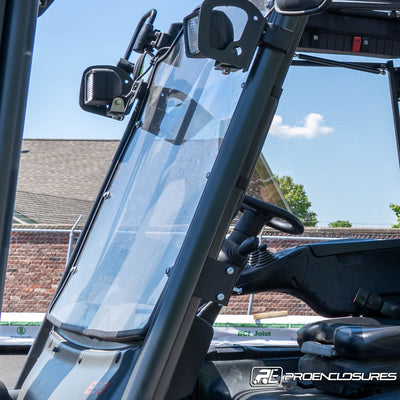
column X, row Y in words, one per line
column 11, row 362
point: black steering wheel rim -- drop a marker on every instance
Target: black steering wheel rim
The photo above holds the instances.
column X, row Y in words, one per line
column 274, row 216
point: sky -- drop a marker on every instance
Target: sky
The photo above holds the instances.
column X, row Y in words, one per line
column 333, row 131
column 334, row 134
column 71, row 36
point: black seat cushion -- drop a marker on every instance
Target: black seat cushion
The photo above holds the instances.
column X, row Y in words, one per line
column 358, row 342
column 356, row 337
column 352, row 345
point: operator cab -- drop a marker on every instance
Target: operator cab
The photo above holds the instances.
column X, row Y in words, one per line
column 132, row 316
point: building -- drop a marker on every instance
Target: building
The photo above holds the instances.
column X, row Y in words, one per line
column 59, row 179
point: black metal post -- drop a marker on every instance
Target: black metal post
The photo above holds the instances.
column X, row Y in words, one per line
column 394, row 96
column 16, row 43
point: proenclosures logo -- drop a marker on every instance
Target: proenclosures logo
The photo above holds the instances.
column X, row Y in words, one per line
column 274, row 376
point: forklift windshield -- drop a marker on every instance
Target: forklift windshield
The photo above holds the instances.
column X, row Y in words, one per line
column 154, row 267
column 151, row 199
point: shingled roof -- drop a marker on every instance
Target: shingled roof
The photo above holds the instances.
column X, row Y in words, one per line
column 59, row 179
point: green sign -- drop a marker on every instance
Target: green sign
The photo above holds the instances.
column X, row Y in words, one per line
column 21, row 330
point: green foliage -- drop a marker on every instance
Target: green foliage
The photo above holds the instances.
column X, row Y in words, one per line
column 340, row 224
column 396, row 210
column 297, row 199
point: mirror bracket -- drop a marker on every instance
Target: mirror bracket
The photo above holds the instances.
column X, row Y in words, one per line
column 237, row 54
column 117, row 106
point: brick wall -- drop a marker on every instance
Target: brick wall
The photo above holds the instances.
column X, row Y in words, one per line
column 37, row 260
column 35, row 265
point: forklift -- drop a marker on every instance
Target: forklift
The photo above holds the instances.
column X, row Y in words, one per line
column 132, row 317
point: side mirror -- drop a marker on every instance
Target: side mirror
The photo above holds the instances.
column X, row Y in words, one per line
column 106, row 90
column 210, row 33
column 301, row 7
column 111, row 91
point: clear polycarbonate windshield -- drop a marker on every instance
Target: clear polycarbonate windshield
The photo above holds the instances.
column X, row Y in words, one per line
column 142, row 222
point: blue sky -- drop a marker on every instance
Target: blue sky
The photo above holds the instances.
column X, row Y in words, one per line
column 334, row 133
column 71, row 36
column 345, row 155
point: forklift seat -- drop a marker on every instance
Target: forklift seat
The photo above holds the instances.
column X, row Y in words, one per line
column 369, row 348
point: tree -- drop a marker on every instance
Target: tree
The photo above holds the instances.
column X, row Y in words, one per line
column 340, row 224
column 297, row 199
column 396, row 210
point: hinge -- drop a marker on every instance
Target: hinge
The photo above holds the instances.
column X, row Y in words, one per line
column 217, row 281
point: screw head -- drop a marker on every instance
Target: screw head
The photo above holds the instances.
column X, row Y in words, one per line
column 230, row 270
column 237, row 290
column 220, row 297
column 118, row 102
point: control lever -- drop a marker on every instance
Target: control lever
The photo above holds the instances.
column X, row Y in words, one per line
column 237, row 254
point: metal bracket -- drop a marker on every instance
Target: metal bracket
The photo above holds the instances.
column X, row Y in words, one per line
column 277, row 37
column 238, row 53
column 217, row 281
column 117, row 106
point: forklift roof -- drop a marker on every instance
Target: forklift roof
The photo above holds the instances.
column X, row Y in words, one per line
column 355, row 32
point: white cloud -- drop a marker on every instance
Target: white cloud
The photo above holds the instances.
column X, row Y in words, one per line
column 310, row 128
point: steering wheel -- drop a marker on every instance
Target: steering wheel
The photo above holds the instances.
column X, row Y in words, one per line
column 273, row 216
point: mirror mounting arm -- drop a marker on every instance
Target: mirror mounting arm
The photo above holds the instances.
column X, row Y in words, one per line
column 126, row 65
column 150, row 16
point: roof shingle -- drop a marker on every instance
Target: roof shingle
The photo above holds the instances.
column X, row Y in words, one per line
column 59, row 179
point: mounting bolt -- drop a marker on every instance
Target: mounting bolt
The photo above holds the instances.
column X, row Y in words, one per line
column 138, row 124
column 220, row 297
column 118, row 102
column 107, row 195
column 237, row 290
column 230, row 270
